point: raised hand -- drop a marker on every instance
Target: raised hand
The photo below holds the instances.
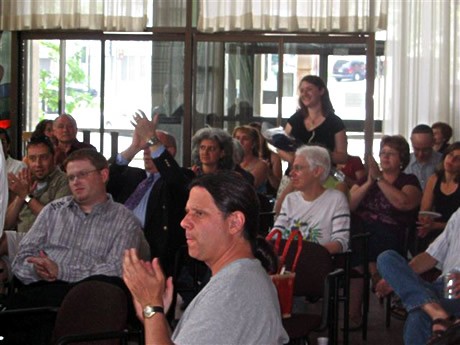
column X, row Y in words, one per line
column 144, row 128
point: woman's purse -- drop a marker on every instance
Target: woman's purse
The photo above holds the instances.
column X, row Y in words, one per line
column 284, row 279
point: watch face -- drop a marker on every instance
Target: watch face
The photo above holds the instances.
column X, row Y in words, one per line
column 149, row 311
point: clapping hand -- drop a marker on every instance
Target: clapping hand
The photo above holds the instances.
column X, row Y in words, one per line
column 21, row 184
column 146, row 282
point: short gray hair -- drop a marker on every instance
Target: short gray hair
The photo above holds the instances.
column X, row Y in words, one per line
column 316, row 156
column 222, row 138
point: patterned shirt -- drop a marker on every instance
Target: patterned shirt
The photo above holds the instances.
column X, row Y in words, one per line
column 323, row 220
column 81, row 244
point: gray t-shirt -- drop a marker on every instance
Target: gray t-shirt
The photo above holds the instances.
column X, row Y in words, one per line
column 238, row 306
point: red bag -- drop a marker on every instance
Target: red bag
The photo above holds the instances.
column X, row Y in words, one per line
column 284, row 279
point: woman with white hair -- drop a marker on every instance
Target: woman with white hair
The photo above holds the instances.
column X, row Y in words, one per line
column 322, row 215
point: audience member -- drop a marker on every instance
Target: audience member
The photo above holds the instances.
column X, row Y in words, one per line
column 65, row 130
column 442, row 133
column 156, row 194
column 321, row 215
column 441, row 195
column 429, row 311
column 250, row 140
column 238, row 155
column 44, row 128
column 221, row 227
column 12, row 165
column 212, row 150
column 385, row 204
column 353, row 170
column 74, row 239
column 331, row 182
column 273, row 161
column 315, row 122
column 35, row 186
column 424, row 159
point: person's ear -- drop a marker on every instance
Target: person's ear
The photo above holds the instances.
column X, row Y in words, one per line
column 236, row 222
column 318, row 171
column 105, row 174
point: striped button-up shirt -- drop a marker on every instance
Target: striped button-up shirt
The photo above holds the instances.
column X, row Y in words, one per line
column 82, row 245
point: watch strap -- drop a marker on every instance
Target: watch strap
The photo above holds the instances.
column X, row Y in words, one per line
column 153, row 141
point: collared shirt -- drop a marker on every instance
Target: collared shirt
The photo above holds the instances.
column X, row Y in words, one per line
column 423, row 171
column 446, row 247
column 81, row 244
column 141, row 208
column 56, row 186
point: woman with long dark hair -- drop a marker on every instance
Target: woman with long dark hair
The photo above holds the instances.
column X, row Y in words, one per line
column 316, row 122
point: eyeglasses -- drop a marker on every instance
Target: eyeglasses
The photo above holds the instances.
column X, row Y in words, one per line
column 80, row 175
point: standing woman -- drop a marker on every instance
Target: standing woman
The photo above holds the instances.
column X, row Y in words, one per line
column 442, row 195
column 315, row 120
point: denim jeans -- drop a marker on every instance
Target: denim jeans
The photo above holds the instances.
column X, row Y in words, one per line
column 414, row 293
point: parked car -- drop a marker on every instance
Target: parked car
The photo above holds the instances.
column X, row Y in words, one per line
column 346, row 69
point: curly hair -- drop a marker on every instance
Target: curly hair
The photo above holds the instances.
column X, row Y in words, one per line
column 222, row 138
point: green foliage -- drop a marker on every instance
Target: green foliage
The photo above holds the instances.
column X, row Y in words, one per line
column 75, row 95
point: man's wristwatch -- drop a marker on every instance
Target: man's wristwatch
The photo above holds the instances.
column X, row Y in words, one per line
column 149, row 311
column 28, row 198
column 153, row 141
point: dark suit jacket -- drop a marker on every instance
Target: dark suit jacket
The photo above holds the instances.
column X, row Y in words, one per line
column 165, row 207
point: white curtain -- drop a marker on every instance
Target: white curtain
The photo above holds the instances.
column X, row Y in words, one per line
column 293, row 15
column 106, row 15
column 422, row 65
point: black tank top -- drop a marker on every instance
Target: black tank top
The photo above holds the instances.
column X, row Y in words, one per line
column 445, row 204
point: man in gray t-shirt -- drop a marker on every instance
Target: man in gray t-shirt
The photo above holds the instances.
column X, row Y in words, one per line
column 239, row 305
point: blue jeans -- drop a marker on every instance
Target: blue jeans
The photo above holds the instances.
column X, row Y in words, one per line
column 414, row 293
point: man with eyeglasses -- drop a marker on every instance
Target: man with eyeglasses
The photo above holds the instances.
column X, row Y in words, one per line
column 74, row 239
column 34, row 187
column 423, row 159
column 157, row 194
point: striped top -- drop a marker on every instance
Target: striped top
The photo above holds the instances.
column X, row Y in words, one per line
column 81, row 244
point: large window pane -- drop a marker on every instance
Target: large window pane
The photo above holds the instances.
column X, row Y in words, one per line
column 82, row 83
column 42, row 91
